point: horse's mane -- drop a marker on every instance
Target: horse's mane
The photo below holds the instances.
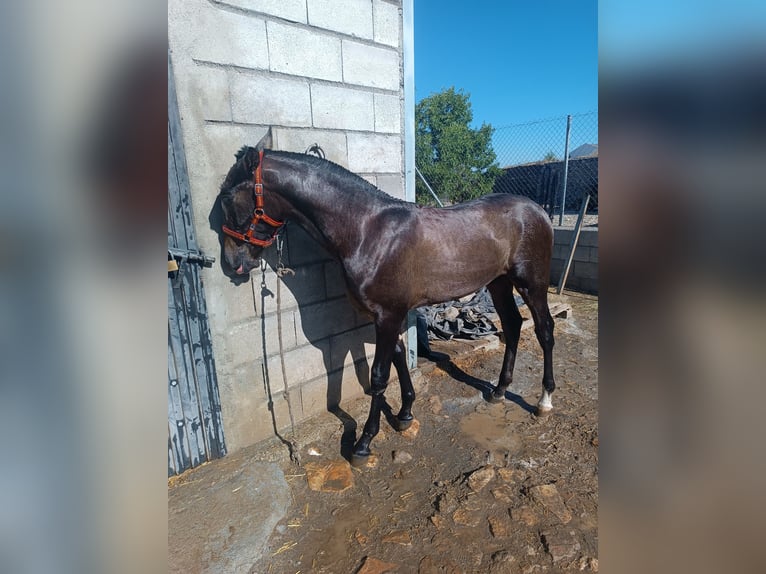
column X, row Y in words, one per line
column 348, row 178
column 242, row 151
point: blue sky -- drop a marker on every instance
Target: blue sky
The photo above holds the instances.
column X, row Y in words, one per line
column 518, row 60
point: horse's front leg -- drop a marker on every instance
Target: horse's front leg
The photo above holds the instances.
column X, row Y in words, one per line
column 386, row 335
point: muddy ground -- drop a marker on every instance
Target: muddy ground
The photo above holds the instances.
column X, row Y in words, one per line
column 473, row 487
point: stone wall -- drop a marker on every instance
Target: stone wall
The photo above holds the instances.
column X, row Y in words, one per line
column 318, row 71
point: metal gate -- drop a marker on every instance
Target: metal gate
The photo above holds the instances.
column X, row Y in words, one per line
column 195, row 430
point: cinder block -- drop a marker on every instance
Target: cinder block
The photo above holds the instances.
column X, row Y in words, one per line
column 582, row 252
column 316, row 322
column 352, row 346
column 245, row 379
column 250, row 422
column 245, row 343
column 373, row 153
column 258, row 99
column 353, row 17
column 304, row 288
column 301, row 52
column 560, row 251
column 293, row 10
column 589, row 237
column 203, row 31
column 370, row 66
column 343, row 108
column 392, row 184
column 301, row 364
column 370, row 177
column 355, row 379
column 314, row 397
column 303, row 248
column 387, row 19
column 562, row 235
column 299, row 140
column 204, row 91
column 585, row 270
column 388, row 114
column 334, row 281
column 238, row 302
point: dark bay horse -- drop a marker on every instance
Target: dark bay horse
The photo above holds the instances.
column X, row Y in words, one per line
column 396, row 256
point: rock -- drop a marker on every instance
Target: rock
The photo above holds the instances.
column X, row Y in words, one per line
column 398, row 537
column 499, row 526
column 506, row 474
column 372, row 461
column 525, row 515
column 503, row 494
column 548, row 496
column 361, row 538
column 438, row 521
column 446, row 503
column 331, row 477
column 466, row 517
column 588, row 563
column 436, row 565
column 560, row 546
column 374, row 566
column 412, row 432
column 401, row 456
column 481, row 478
column 501, row 563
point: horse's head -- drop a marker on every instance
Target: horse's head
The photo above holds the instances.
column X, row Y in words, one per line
column 249, row 222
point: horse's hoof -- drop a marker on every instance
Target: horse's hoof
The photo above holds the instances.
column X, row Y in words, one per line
column 359, row 460
column 403, row 425
column 493, row 398
column 541, row 411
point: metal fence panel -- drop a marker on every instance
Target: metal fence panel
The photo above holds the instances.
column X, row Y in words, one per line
column 534, row 161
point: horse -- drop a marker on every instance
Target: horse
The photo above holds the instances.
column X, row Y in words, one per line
column 396, row 256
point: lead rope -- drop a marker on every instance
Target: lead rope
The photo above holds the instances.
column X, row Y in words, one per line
column 281, row 272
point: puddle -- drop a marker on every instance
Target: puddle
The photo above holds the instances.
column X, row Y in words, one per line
column 492, row 430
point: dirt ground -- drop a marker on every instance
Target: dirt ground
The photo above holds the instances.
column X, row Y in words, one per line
column 473, row 487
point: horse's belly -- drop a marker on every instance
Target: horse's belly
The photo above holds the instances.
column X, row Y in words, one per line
column 455, row 279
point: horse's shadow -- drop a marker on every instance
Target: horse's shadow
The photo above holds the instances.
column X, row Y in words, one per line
column 445, row 363
column 335, row 349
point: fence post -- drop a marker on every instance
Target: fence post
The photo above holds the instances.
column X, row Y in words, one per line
column 436, row 197
column 566, row 171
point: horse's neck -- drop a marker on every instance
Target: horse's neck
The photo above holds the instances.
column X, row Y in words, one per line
column 328, row 210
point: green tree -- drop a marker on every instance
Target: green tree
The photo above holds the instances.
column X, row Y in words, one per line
column 457, row 160
column 550, row 156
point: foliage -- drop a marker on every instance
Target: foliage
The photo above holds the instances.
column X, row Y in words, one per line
column 550, row 156
column 457, row 160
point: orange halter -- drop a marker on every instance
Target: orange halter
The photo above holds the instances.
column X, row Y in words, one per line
column 258, row 214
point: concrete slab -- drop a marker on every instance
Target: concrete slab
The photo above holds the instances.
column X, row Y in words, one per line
column 220, row 522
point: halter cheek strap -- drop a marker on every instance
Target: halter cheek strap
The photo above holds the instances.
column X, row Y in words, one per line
column 258, row 214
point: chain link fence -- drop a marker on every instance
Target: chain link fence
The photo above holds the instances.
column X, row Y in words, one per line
column 553, row 162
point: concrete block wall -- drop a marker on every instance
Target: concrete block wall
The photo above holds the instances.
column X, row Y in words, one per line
column 317, row 71
column 583, row 274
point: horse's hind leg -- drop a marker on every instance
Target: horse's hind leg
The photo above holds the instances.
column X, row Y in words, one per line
column 404, row 418
column 501, row 290
column 536, row 298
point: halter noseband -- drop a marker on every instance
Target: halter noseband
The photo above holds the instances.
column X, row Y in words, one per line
column 258, row 214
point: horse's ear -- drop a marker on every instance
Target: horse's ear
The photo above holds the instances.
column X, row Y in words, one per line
column 267, row 142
